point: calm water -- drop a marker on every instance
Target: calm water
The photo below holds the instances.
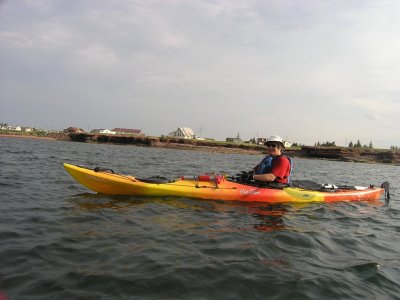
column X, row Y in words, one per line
column 60, row 241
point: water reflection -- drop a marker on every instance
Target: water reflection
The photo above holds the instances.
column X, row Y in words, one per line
column 90, row 201
column 266, row 217
column 217, row 216
column 271, row 218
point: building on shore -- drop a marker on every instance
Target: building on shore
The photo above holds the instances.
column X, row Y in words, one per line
column 287, row 144
column 74, row 130
column 127, row 131
column 236, row 140
column 103, row 131
column 183, row 132
column 10, row 127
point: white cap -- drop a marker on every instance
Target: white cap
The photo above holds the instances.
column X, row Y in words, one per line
column 275, row 138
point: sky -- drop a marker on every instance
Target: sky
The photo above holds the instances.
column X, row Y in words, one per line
column 308, row 71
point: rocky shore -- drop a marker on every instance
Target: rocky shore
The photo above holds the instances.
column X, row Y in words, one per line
column 364, row 155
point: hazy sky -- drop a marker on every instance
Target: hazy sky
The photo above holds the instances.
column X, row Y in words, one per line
column 306, row 70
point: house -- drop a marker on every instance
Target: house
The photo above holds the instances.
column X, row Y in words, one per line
column 73, row 130
column 103, row 131
column 236, row 140
column 287, row 144
column 261, row 141
column 183, row 132
column 14, row 128
column 127, row 131
column 107, row 131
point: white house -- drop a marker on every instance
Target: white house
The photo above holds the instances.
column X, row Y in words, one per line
column 15, row 128
column 287, row 144
column 104, row 131
column 107, row 131
column 183, row 132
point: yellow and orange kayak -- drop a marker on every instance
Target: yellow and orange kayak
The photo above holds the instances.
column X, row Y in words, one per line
column 212, row 188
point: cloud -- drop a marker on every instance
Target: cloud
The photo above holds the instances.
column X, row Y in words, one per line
column 312, row 70
column 96, row 57
column 15, row 39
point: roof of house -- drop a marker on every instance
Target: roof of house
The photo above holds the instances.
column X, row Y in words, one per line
column 187, row 131
column 74, row 129
column 126, row 130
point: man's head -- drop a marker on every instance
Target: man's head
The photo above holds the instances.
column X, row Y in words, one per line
column 275, row 145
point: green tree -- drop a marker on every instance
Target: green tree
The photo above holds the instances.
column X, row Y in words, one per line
column 358, row 144
column 351, row 144
column 329, row 144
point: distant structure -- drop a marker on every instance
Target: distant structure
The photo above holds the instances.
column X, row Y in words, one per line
column 73, row 130
column 236, row 140
column 27, row 129
column 183, row 132
column 103, row 131
column 9, row 127
column 4, row 126
column 127, row 131
column 261, row 140
column 287, row 144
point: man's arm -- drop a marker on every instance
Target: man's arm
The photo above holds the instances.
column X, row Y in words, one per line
column 265, row 177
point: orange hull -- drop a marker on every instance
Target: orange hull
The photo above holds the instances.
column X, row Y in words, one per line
column 221, row 189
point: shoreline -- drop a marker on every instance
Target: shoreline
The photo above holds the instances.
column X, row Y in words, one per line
column 210, row 149
column 175, row 146
column 33, row 137
column 359, row 155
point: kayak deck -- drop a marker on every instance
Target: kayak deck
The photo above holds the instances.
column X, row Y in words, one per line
column 218, row 188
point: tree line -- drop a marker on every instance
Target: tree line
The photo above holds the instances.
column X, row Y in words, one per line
column 351, row 144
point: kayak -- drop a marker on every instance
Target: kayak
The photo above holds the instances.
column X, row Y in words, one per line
column 215, row 187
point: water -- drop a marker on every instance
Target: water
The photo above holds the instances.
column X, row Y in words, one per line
column 60, row 241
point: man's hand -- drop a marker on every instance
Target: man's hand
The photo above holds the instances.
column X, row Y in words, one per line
column 247, row 176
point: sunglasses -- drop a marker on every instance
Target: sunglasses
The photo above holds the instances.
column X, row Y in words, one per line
column 272, row 145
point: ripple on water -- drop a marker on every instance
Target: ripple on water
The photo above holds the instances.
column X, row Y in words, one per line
column 59, row 240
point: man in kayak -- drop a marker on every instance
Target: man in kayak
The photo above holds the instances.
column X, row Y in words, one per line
column 274, row 168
